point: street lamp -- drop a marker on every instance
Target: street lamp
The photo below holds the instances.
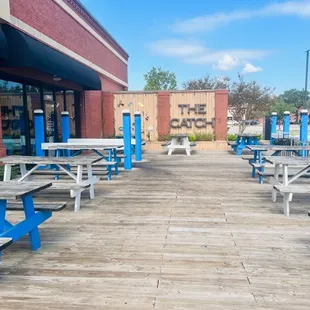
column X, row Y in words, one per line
column 306, row 79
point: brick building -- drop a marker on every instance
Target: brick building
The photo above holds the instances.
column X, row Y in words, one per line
column 54, row 56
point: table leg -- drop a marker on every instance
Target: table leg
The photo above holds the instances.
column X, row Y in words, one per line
column 79, row 177
column 92, row 187
column 34, row 235
column 276, row 176
column 7, row 172
column 23, row 171
column 115, row 159
column 2, row 217
column 286, row 196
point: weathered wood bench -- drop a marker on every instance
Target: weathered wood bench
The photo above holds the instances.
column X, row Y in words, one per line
column 248, row 157
column 42, row 206
column 5, row 242
column 287, row 193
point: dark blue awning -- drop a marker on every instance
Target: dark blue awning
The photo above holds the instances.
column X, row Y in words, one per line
column 24, row 51
column 3, row 45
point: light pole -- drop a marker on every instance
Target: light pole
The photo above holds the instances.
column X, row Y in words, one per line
column 306, row 79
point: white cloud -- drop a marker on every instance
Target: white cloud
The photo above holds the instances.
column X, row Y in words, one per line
column 249, row 68
column 193, row 52
column 227, row 62
column 177, row 48
column 210, row 22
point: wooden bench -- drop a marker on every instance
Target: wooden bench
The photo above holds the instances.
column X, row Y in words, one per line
column 232, row 143
column 287, row 193
column 248, row 157
column 42, row 206
column 5, row 242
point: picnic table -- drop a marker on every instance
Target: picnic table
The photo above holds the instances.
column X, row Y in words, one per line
column 258, row 162
column 112, row 160
column 244, row 140
column 285, row 188
column 63, row 164
column 179, row 142
column 13, row 191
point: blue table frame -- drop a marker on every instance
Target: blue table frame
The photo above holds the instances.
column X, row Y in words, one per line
column 32, row 219
column 243, row 141
column 258, row 156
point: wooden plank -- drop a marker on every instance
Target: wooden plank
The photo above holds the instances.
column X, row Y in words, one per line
column 42, row 206
column 81, row 146
column 288, row 160
column 49, row 160
column 174, row 233
column 5, row 242
column 16, row 190
column 293, row 188
column 269, row 147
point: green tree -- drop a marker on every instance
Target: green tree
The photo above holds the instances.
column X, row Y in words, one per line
column 280, row 106
column 248, row 101
column 158, row 79
column 207, row 82
column 295, row 97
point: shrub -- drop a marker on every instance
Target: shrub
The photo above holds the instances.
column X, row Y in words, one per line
column 164, row 138
column 232, row 137
column 204, row 136
column 192, row 137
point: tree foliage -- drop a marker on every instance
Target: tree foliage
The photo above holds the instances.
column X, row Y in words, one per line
column 280, row 106
column 158, row 79
column 295, row 97
column 207, row 82
column 248, row 101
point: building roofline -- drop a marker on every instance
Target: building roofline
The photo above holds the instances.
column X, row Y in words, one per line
column 100, row 26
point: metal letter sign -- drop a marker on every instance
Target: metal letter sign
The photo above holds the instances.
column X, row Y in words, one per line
column 189, row 122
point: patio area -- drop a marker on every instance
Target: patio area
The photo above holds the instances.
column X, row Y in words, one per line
column 177, row 232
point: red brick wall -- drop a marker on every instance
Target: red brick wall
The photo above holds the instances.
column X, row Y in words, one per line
column 108, row 85
column 163, row 117
column 108, row 114
column 221, row 108
column 91, row 114
column 50, row 19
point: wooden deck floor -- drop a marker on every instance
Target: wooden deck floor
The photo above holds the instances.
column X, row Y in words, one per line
column 175, row 233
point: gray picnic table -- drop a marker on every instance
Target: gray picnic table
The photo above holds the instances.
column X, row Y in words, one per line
column 257, row 161
column 23, row 191
column 302, row 164
column 111, row 161
column 62, row 164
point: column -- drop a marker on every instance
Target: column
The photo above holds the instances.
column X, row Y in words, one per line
column 273, row 129
column 65, row 126
column 39, row 131
column 304, row 118
column 286, row 124
column 138, row 146
column 127, row 139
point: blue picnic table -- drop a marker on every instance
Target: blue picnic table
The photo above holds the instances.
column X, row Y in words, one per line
column 23, row 191
column 244, row 140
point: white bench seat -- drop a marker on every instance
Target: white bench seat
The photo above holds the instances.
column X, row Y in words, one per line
column 5, row 242
column 287, row 193
column 42, row 206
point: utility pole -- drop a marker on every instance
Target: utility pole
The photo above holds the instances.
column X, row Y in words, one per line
column 306, row 79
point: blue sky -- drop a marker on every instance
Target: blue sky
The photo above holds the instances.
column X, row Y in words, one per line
column 265, row 40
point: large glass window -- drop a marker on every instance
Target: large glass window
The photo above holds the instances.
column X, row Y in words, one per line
column 12, row 116
column 33, row 103
column 18, row 103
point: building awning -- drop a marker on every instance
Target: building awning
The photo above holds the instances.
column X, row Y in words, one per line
column 24, row 51
column 3, row 45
